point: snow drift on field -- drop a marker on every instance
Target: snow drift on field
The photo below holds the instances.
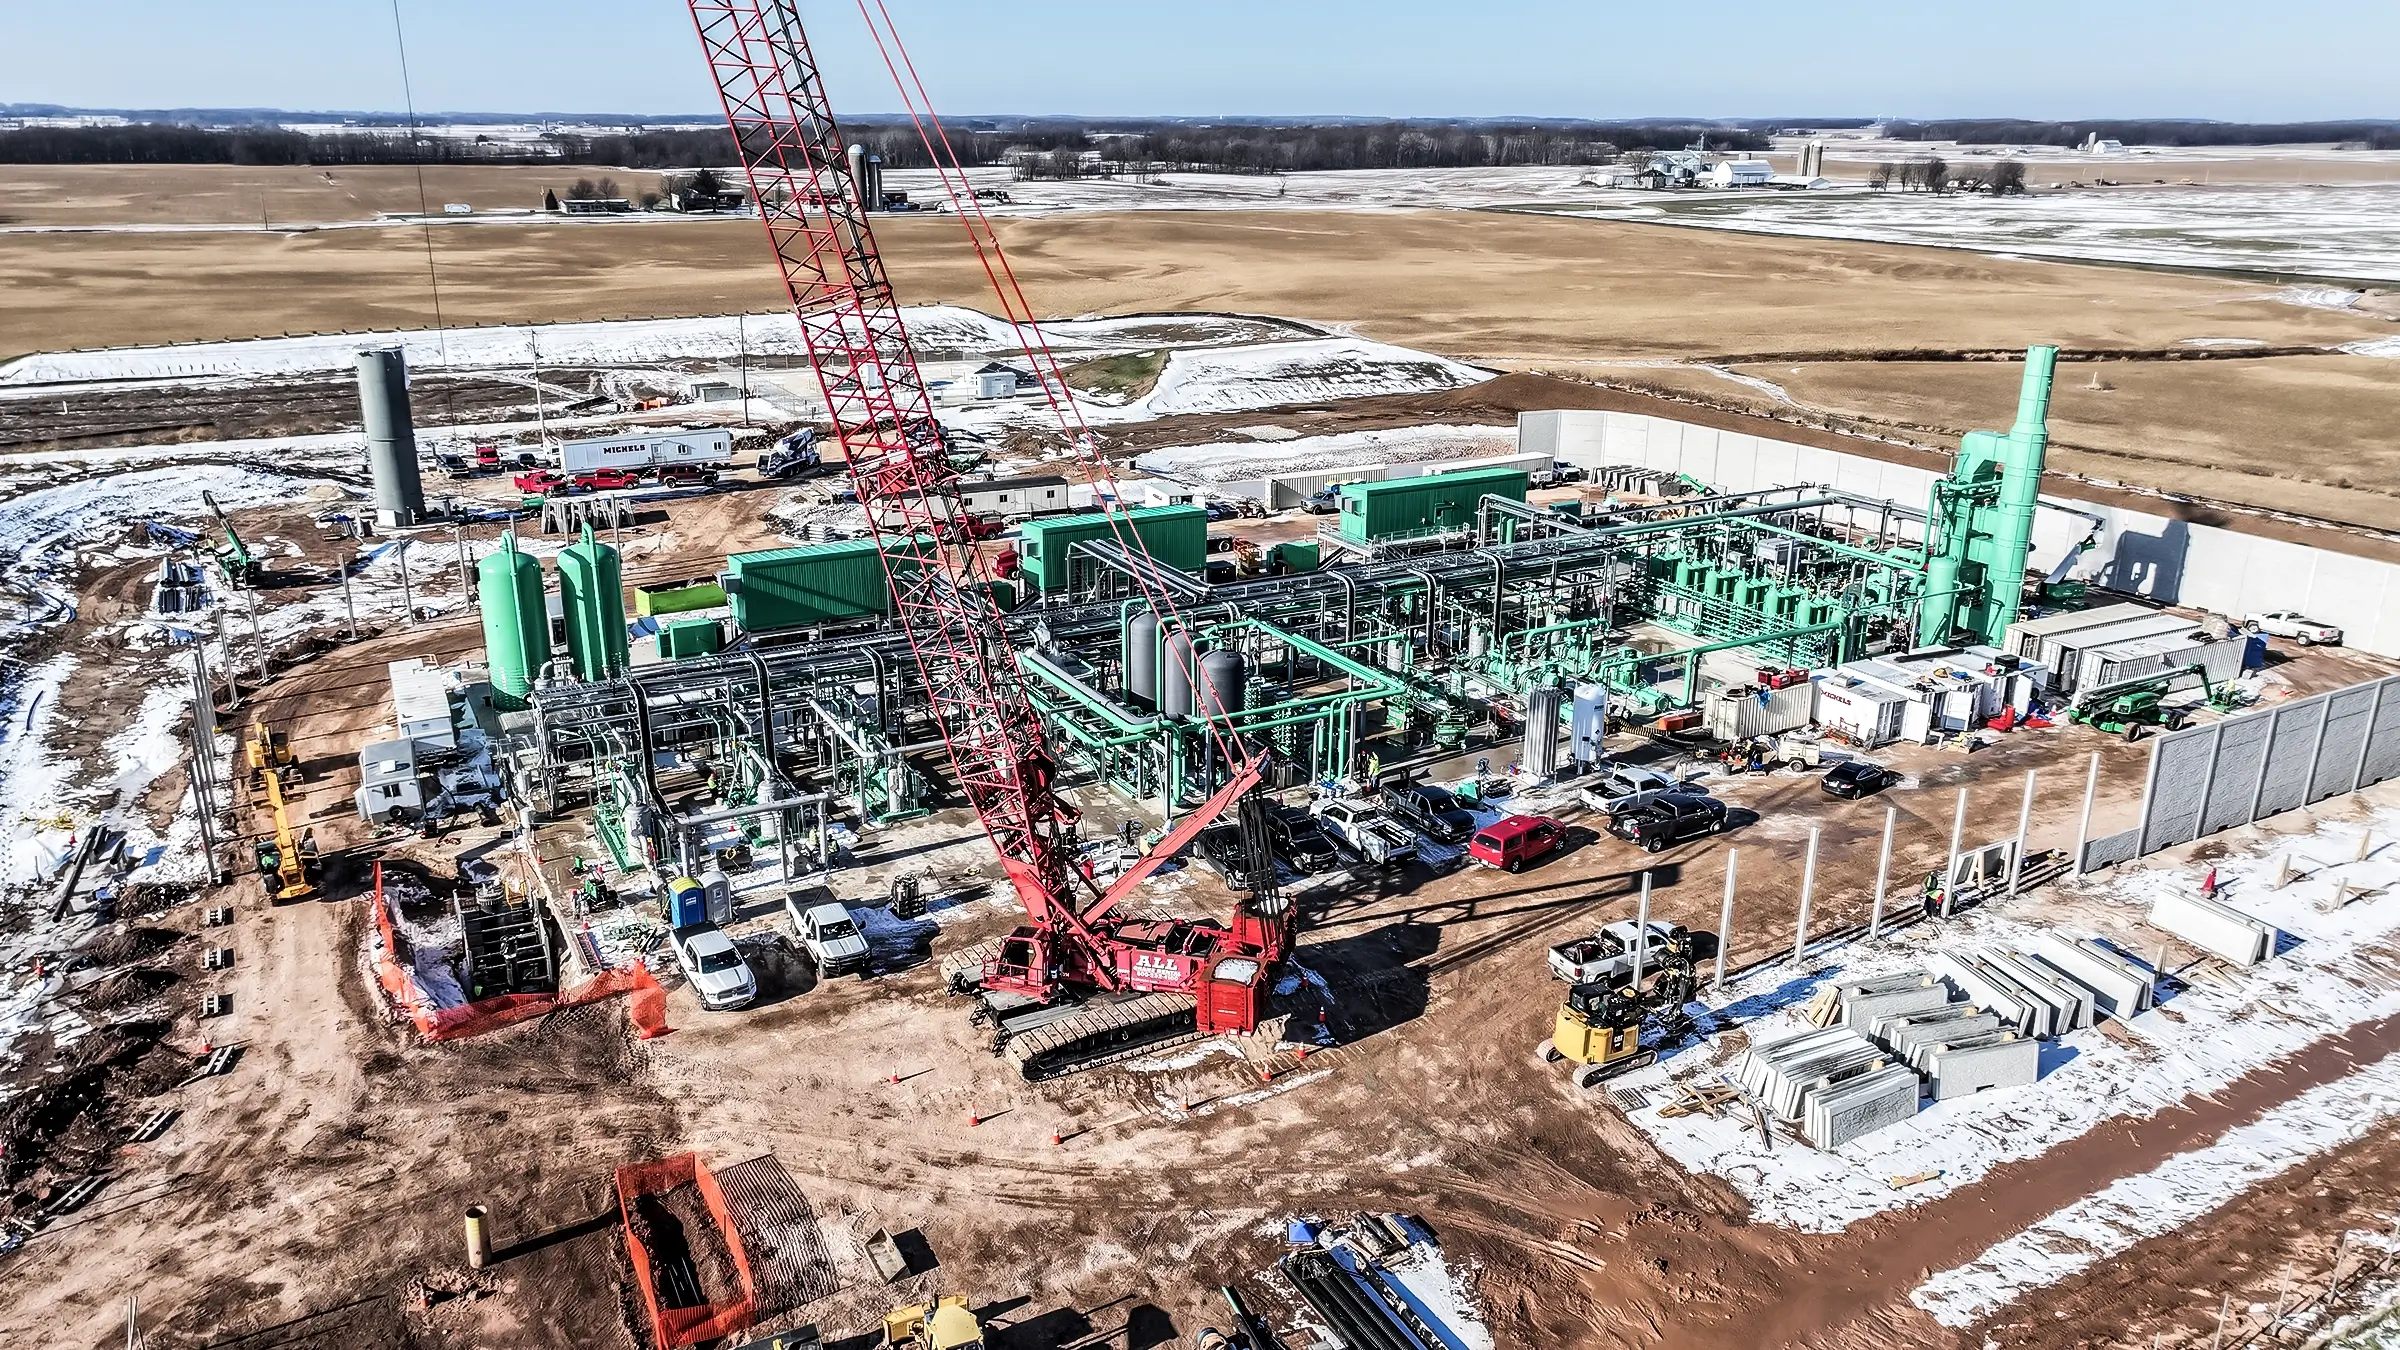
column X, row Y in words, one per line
column 1234, row 379
column 1226, row 462
column 618, row 342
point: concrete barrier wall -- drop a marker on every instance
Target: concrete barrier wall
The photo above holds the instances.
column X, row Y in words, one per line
column 2165, row 560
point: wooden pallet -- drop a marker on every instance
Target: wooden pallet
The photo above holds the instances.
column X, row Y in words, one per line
column 217, row 958
column 1700, row 1099
column 76, row 1196
column 154, row 1125
column 1821, row 1010
column 216, row 1005
column 217, row 918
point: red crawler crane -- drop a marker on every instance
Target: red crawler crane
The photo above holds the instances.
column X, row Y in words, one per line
column 1076, row 984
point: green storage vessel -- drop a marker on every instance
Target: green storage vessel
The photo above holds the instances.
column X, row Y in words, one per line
column 516, row 621
column 690, row 637
column 1397, row 508
column 1176, row 536
column 591, row 594
column 821, row 583
column 677, row 599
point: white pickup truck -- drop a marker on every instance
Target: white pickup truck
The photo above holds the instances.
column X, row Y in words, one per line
column 830, row 935
column 1370, row 833
column 1608, row 954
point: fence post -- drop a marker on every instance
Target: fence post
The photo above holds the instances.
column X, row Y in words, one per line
column 1808, row 888
column 2366, row 739
column 2016, row 861
column 1883, row 872
column 1958, row 834
column 1733, row 858
column 2083, row 831
column 1641, row 931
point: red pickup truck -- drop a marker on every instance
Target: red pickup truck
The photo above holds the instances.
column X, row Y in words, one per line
column 606, row 480
column 541, row 483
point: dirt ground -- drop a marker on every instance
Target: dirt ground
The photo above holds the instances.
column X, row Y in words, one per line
column 1524, row 292
column 324, row 1178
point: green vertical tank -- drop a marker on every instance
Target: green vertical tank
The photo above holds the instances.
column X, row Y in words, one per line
column 591, row 591
column 516, row 621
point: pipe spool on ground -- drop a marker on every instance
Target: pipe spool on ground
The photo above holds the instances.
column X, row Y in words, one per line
column 479, row 1238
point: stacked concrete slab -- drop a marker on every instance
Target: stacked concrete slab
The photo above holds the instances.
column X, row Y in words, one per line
column 2120, row 987
column 2070, row 1003
column 1789, row 1074
column 1910, row 1037
column 1863, row 1003
column 2215, row 927
column 1994, row 991
column 1995, row 1059
column 1861, row 1105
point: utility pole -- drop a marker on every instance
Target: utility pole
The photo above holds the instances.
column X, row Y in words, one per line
column 258, row 642
column 350, row 552
column 541, row 415
column 408, row 602
column 741, row 346
column 1958, row 833
column 466, row 576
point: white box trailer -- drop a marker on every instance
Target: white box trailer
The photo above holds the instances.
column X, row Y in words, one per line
column 1865, row 714
column 2223, row 658
column 2064, row 654
column 2026, row 636
column 648, row 451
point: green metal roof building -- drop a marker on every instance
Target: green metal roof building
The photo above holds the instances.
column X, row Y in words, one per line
column 795, row 587
column 1176, row 536
column 1399, row 507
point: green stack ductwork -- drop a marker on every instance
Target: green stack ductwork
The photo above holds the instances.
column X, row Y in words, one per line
column 516, row 621
column 591, row 590
column 1982, row 517
column 2022, row 453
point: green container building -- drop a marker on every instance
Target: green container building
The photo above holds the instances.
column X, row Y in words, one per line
column 1176, row 536
column 591, row 592
column 677, row 599
column 516, row 621
column 821, row 583
column 1397, row 508
column 1296, row 555
column 690, row 637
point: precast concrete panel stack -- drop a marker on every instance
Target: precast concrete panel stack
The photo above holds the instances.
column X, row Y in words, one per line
column 2215, row 927
column 1860, row 1106
column 1787, row 1074
column 2119, row 987
column 1862, row 1003
column 1995, row 1059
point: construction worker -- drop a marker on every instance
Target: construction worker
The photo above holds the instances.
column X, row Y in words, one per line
column 1374, row 768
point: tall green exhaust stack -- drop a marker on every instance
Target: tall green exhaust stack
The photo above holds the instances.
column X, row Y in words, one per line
column 1982, row 517
column 516, row 621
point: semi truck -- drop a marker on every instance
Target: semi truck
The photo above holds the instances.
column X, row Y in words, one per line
column 668, row 455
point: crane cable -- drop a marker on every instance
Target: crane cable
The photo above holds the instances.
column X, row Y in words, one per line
column 1017, row 312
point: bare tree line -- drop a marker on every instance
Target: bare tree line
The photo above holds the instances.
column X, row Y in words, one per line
column 1932, row 173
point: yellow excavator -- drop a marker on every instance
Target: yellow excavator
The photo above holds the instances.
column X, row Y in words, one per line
column 944, row 1325
column 287, row 857
column 1599, row 1027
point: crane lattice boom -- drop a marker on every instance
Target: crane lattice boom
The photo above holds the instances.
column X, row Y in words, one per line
column 793, row 155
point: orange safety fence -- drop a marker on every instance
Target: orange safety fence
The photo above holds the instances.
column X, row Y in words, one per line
column 646, row 1009
column 673, row 1327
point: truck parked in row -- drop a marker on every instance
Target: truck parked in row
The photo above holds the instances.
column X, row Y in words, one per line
column 1367, row 831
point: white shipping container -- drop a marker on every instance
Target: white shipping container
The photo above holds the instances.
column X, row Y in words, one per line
column 1865, row 715
column 650, row 450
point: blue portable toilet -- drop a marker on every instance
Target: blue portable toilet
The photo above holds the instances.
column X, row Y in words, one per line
column 687, row 903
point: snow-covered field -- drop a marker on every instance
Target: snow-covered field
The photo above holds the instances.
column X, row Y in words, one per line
column 2343, row 970
column 2329, row 231
column 635, row 342
column 1237, row 461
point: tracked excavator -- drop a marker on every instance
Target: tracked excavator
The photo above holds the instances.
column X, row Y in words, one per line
column 1599, row 1027
column 1080, row 982
column 286, row 858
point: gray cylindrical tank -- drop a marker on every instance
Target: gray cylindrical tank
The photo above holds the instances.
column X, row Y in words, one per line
column 391, row 436
column 1141, row 659
column 867, row 172
column 1227, row 677
column 1175, row 676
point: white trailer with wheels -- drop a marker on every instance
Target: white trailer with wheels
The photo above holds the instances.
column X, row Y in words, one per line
column 649, row 452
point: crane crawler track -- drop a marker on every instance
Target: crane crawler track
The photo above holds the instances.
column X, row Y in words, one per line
column 1060, row 1041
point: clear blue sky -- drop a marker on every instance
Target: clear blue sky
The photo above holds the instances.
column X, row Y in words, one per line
column 2238, row 59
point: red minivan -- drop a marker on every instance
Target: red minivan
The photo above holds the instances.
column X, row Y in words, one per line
column 1513, row 841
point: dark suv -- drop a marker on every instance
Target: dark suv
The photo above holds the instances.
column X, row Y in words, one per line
column 1668, row 820
column 1430, row 811
column 1302, row 843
